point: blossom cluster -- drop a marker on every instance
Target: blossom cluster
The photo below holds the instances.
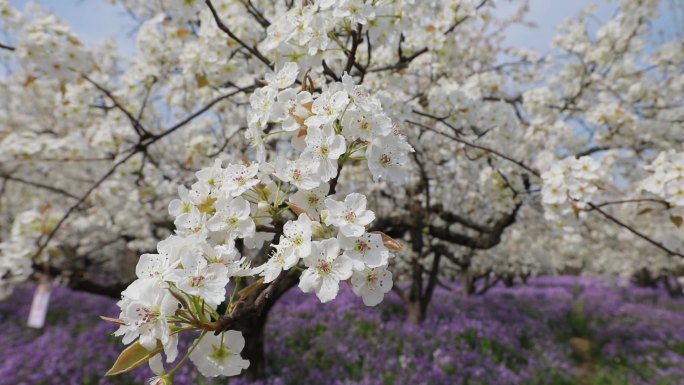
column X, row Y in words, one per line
column 306, row 30
column 568, row 187
column 188, row 275
column 667, row 177
column 223, row 220
column 49, row 48
column 341, row 123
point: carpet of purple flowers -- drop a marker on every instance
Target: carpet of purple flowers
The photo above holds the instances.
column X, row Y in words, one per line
column 555, row 331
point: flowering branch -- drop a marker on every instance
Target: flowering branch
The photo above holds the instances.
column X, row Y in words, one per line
column 636, row 232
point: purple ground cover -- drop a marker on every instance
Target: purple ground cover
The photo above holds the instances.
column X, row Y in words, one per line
column 555, row 331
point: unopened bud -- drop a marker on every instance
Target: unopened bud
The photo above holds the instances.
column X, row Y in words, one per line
column 263, row 207
column 325, row 214
column 318, row 230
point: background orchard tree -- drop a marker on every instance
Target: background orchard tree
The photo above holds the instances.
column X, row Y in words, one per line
column 483, row 161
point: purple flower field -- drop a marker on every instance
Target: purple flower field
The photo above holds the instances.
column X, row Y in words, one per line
column 556, row 331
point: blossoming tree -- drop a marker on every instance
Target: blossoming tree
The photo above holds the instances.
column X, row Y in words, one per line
column 254, row 145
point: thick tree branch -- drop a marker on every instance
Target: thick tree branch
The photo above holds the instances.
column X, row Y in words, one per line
column 483, row 241
column 81, row 283
column 357, row 38
column 451, row 217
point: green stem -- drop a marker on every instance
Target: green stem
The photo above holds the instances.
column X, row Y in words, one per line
column 185, row 358
column 232, row 295
column 264, row 136
column 275, row 200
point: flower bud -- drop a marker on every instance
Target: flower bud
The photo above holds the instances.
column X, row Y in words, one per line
column 324, row 215
column 318, row 231
column 263, row 206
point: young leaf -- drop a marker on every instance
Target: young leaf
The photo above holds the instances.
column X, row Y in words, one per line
column 645, row 211
column 389, row 242
column 247, row 291
column 132, row 357
column 113, row 320
column 202, row 80
column 182, row 33
column 297, row 210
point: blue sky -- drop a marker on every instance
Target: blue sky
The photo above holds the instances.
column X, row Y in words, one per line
column 95, row 20
column 92, row 20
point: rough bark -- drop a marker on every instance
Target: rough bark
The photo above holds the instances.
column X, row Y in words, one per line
column 254, row 346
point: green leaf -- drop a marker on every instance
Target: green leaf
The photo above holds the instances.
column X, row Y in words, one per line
column 202, row 80
column 677, row 221
column 132, row 357
column 644, row 211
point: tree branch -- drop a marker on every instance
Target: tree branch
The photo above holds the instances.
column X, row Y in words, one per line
column 473, row 145
column 7, row 47
column 253, row 50
column 137, row 126
column 636, row 232
column 482, row 242
column 39, row 185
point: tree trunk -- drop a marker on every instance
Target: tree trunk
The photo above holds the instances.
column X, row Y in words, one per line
column 673, row 287
column 467, row 285
column 644, row 278
column 416, row 312
column 253, row 328
column 254, row 347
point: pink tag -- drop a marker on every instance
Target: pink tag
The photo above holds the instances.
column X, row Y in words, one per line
column 39, row 306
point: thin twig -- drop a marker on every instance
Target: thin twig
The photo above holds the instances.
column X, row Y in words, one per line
column 39, row 185
column 635, row 200
column 635, row 231
column 483, row 148
column 142, row 132
column 198, row 113
column 253, row 50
